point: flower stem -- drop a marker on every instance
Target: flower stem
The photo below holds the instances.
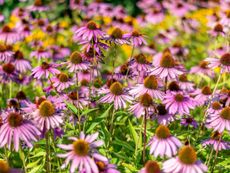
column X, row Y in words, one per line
column 48, row 166
column 145, row 123
column 217, row 150
column 128, row 66
column 209, row 103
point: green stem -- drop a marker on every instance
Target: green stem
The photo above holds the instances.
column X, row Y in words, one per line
column 145, row 136
column 48, row 166
column 217, row 150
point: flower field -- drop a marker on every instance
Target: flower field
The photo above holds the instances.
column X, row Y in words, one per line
column 93, row 86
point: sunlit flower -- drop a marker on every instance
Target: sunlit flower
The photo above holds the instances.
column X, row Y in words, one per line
column 136, row 38
column 46, row 116
column 62, row 81
column 45, row 69
column 151, row 167
column 223, row 62
column 163, row 143
column 186, row 161
column 88, row 32
column 82, row 152
column 16, row 128
column 116, row 94
column 5, row 54
column 178, row 102
column 21, row 64
column 216, row 142
column 77, row 62
column 219, row 121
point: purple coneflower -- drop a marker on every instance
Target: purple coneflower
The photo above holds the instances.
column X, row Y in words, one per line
column 88, row 32
column 202, row 95
column 116, row 94
column 184, row 83
column 216, row 142
column 5, row 54
column 41, row 53
column 150, row 86
column 62, row 81
column 15, row 129
column 163, row 143
column 163, row 117
column 219, row 121
column 140, row 63
column 76, row 99
column 185, row 162
column 150, row 167
column 82, row 152
column 77, row 63
column 44, row 70
column 178, row 102
column 144, row 104
column 136, row 38
column 225, row 96
column 223, row 62
column 116, row 37
column 46, row 115
column 168, row 67
column 202, row 69
column 8, row 35
column 21, row 64
column 188, row 120
column 215, row 107
column 8, row 73
column 106, row 167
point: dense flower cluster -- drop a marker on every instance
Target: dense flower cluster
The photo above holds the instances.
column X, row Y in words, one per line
column 119, row 94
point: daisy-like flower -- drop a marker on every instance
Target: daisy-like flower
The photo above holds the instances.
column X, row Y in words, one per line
column 8, row 73
column 8, row 35
column 106, row 167
column 215, row 107
column 62, row 81
column 45, row 69
column 218, row 29
column 163, row 117
column 202, row 95
column 116, row 37
column 163, row 143
column 151, row 167
column 185, row 162
column 202, row 69
column 41, row 53
column 178, row 102
column 46, row 116
column 89, row 32
column 21, row 64
column 77, row 63
column 225, row 96
column 140, row 63
column 76, row 99
column 166, row 67
column 82, row 153
column 16, row 128
column 223, row 62
column 150, row 86
column 184, row 83
column 5, row 54
column 145, row 104
column 136, row 38
column 116, row 95
column 216, row 142
column 219, row 121
column 188, row 120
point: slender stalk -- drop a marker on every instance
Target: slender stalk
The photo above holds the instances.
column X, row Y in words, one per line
column 145, row 136
column 111, row 123
column 128, row 67
column 217, row 151
column 48, row 165
column 209, row 157
column 10, row 92
column 209, row 103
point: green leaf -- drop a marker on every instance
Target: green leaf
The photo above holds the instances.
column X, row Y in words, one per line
column 133, row 132
column 71, row 107
column 106, row 113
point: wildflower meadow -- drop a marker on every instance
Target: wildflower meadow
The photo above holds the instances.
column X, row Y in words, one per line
column 111, row 86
